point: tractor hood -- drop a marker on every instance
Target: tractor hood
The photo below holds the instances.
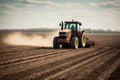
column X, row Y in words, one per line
column 66, row 31
column 65, row 34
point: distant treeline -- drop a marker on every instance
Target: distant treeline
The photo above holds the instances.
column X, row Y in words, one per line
column 31, row 30
column 54, row 29
column 100, row 31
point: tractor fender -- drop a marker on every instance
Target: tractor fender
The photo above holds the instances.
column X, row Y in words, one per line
column 80, row 32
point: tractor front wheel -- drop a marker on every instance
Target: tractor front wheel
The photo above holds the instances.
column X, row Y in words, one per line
column 74, row 42
column 55, row 43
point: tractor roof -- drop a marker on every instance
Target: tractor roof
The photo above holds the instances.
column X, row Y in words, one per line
column 73, row 22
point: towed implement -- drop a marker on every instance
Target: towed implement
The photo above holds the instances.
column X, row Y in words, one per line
column 71, row 36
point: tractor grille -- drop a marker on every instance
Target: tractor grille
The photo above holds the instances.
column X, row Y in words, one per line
column 62, row 35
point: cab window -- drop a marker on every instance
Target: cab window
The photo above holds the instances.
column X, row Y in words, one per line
column 71, row 26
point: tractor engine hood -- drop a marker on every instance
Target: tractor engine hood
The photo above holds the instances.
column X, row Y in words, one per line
column 65, row 34
column 66, row 30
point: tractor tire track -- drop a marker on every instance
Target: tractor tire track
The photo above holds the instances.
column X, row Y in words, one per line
column 25, row 73
column 31, row 58
column 24, row 54
column 27, row 57
column 67, row 68
column 101, row 69
column 18, row 67
column 82, row 72
column 16, row 49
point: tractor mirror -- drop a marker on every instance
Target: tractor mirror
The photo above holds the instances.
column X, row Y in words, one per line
column 80, row 24
column 61, row 24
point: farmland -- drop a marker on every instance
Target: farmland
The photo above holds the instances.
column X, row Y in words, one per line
column 23, row 62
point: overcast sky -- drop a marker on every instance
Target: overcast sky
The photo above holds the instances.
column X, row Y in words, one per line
column 95, row 14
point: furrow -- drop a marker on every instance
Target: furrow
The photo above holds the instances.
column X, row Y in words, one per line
column 106, row 74
column 34, row 65
column 24, row 54
column 16, row 49
column 64, row 63
column 63, row 70
column 43, row 57
column 31, row 58
column 82, row 72
column 96, row 74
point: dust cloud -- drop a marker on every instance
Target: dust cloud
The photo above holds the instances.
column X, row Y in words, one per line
column 19, row 38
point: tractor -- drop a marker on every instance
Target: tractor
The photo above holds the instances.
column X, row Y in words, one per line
column 71, row 36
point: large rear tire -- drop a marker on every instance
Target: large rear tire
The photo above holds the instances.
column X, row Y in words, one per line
column 82, row 40
column 55, row 43
column 74, row 42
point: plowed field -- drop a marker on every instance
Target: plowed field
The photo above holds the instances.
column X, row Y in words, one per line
column 46, row 63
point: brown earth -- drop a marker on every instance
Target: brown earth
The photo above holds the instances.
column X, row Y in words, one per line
column 46, row 63
column 115, row 75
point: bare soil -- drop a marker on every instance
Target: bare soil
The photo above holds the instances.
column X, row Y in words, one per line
column 101, row 62
column 115, row 75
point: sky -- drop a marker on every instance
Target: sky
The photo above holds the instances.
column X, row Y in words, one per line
column 94, row 14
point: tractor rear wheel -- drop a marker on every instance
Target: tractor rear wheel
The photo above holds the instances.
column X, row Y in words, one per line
column 82, row 40
column 74, row 42
column 55, row 43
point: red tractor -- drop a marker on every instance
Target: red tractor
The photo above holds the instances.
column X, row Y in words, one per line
column 71, row 36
